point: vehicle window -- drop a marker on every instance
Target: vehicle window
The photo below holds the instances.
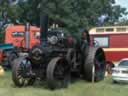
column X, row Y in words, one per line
column 36, row 35
column 101, row 41
column 17, row 34
column 123, row 63
column 121, row 29
column 109, row 29
column 100, row 30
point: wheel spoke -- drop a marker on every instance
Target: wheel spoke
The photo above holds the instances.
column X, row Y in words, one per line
column 21, row 72
column 19, row 76
column 26, row 81
column 21, row 80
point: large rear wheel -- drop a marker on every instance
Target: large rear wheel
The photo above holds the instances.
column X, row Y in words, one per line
column 94, row 65
column 58, row 73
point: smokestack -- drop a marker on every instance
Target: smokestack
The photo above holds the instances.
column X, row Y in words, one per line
column 43, row 27
column 27, row 35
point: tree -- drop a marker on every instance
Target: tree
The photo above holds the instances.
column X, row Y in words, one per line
column 69, row 14
column 30, row 11
column 12, row 12
column 76, row 14
column 122, row 22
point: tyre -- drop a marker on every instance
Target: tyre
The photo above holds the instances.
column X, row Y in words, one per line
column 58, row 73
column 21, row 72
column 115, row 82
column 94, row 65
column 12, row 56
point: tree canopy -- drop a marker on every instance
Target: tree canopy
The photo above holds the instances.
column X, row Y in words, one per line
column 69, row 14
column 77, row 14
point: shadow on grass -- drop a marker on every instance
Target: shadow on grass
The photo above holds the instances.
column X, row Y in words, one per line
column 43, row 84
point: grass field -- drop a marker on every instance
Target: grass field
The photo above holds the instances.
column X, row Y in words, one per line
column 77, row 88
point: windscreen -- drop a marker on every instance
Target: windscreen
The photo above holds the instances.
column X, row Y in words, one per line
column 124, row 63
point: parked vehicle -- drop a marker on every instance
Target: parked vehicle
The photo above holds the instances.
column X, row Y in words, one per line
column 120, row 73
column 5, row 50
column 113, row 40
column 54, row 60
column 16, row 35
column 16, row 42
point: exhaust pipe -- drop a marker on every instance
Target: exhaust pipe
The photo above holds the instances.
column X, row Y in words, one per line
column 43, row 27
column 27, row 35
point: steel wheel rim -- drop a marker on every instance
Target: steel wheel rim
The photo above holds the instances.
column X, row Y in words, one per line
column 21, row 72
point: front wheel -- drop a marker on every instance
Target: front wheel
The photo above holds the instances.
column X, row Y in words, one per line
column 22, row 72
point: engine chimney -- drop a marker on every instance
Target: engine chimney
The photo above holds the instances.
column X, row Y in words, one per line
column 27, row 35
column 43, row 27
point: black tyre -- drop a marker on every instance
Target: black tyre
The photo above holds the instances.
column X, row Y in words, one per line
column 12, row 56
column 58, row 73
column 5, row 56
column 21, row 72
column 115, row 82
column 94, row 65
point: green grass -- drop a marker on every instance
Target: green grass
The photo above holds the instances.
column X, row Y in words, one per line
column 77, row 88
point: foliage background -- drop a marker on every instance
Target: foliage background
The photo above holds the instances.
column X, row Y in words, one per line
column 71, row 15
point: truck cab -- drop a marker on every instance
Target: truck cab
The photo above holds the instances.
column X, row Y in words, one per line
column 16, row 35
column 14, row 38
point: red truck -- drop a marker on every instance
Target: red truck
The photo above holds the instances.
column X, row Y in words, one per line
column 16, row 35
column 15, row 39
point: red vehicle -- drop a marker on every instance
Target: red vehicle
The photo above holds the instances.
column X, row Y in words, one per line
column 15, row 38
column 114, row 41
column 15, row 35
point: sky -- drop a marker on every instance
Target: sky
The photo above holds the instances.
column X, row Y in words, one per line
column 123, row 3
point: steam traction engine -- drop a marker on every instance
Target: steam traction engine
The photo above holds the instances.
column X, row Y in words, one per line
column 56, row 58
